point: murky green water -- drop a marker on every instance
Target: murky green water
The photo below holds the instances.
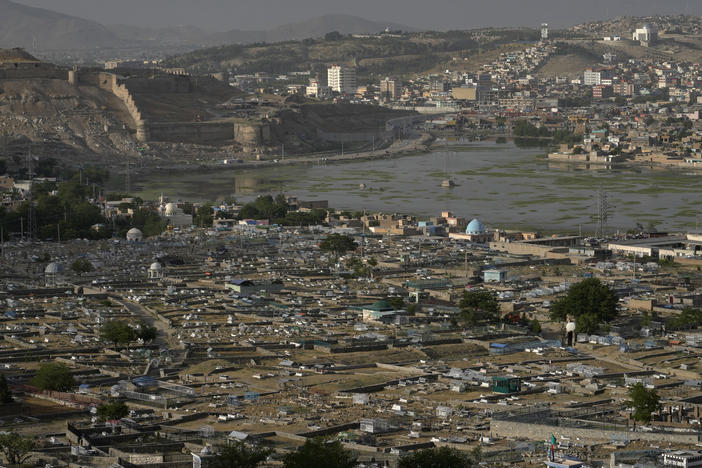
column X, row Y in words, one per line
column 501, row 184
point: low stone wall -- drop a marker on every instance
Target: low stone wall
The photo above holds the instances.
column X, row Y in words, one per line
column 341, row 137
column 514, row 429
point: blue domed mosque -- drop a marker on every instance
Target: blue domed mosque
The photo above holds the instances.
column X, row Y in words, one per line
column 476, row 231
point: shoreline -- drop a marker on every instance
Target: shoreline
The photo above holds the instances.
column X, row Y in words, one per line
column 420, row 145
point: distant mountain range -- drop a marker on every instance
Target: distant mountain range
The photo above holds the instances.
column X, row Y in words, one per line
column 30, row 27
column 24, row 26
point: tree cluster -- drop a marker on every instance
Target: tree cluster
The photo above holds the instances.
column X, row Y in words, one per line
column 524, row 129
column 440, row 457
column 326, row 453
column 82, row 265
column 688, row 319
column 54, row 376
column 479, row 307
column 5, row 393
column 112, row 411
column 16, row 448
column 67, row 211
column 320, row 453
column 240, row 455
column 644, row 401
column 338, row 244
column 590, row 303
column 122, row 333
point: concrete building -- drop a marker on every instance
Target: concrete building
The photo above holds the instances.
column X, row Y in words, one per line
column 682, row 458
column 595, row 76
column 485, row 92
column 175, row 216
column 602, row 91
column 342, row 79
column 544, row 31
column 624, row 88
column 317, row 90
column 389, row 89
column 494, row 276
column 646, row 34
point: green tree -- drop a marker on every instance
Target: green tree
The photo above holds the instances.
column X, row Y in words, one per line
column 146, row 332
column 356, row 265
column 338, row 244
column 396, row 302
column 333, row 36
column 479, row 306
column 117, row 332
column 644, row 401
column 320, row 453
column 687, row 319
column 16, row 448
column 113, row 410
column 5, row 393
column 239, row 455
column 82, row 265
column 54, row 376
column 535, row 327
column 204, row 216
column 590, row 302
column 441, row 457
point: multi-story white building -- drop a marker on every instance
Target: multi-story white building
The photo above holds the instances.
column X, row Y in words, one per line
column 647, row 34
column 342, row 79
column 597, row 76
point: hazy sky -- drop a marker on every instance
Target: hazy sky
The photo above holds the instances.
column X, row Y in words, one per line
column 222, row 15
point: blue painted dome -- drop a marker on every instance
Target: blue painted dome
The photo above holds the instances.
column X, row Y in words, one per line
column 475, row 227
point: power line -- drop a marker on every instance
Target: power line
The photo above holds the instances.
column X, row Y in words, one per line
column 32, row 221
column 603, row 212
column 127, row 180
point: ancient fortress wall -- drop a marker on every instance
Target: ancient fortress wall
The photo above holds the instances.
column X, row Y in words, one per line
column 248, row 134
column 111, row 83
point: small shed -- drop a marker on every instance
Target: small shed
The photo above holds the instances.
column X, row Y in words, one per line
column 506, row 384
column 495, row 276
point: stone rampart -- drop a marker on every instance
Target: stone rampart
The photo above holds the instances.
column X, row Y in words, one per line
column 515, row 429
column 248, row 134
